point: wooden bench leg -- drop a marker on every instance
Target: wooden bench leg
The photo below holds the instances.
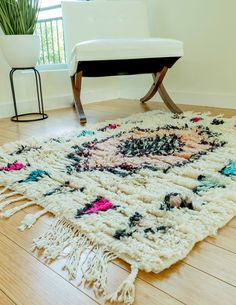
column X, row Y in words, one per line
column 76, row 81
column 168, row 101
column 158, row 78
column 158, row 86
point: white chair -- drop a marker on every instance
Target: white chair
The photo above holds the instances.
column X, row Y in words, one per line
column 108, row 37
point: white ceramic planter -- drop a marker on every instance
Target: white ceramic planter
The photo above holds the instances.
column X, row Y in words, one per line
column 20, row 51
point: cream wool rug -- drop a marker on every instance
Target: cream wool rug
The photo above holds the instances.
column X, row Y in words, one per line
column 144, row 189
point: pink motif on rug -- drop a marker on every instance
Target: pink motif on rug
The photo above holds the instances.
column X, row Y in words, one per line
column 110, row 126
column 113, row 126
column 13, row 167
column 196, row 119
column 100, row 205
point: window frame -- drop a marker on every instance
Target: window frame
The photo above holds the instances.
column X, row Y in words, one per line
column 52, row 66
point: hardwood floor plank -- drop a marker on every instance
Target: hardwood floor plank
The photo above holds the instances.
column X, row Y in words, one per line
column 29, row 282
column 232, row 223
column 208, row 258
column 4, row 300
column 225, row 239
column 192, row 286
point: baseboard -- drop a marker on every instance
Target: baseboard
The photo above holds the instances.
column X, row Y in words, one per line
column 205, row 99
column 63, row 101
column 7, row 109
column 187, row 98
column 57, row 102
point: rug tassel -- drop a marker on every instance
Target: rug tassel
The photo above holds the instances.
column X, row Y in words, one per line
column 62, row 239
column 96, row 272
column 8, row 202
column 77, row 248
column 54, row 241
column 11, row 212
column 5, row 196
column 126, row 292
column 2, row 191
column 30, row 219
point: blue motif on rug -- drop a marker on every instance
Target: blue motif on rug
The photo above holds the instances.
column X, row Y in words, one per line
column 229, row 170
column 206, row 183
column 85, row 133
column 35, row 176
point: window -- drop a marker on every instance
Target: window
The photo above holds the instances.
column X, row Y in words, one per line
column 50, row 30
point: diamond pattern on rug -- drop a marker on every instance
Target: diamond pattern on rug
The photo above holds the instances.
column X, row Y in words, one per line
column 127, row 152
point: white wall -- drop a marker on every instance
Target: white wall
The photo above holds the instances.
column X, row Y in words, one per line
column 207, row 28
column 205, row 75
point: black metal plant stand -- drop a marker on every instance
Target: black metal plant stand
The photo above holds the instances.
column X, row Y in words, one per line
column 41, row 115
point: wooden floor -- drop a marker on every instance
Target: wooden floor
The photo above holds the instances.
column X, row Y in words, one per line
column 206, row 277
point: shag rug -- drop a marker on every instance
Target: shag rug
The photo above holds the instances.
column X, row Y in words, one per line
column 144, row 189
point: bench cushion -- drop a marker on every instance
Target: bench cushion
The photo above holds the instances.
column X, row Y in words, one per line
column 118, row 49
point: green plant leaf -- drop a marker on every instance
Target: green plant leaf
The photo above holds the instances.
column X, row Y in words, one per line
column 19, row 17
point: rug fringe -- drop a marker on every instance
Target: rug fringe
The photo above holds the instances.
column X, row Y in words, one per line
column 3, row 190
column 62, row 239
column 125, row 294
column 12, row 211
column 77, row 248
column 30, row 219
column 96, row 272
column 5, row 203
column 55, row 240
column 7, row 195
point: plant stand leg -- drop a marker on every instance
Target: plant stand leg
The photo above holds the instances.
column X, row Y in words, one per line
column 25, row 117
column 13, row 93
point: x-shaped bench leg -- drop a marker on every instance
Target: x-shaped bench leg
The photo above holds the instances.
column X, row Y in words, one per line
column 76, row 81
column 158, row 86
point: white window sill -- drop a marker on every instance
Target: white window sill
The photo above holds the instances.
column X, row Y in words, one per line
column 52, row 67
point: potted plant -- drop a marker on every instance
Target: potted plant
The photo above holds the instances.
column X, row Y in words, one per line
column 18, row 20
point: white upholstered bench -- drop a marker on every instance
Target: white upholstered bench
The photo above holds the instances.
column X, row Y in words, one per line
column 104, row 38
